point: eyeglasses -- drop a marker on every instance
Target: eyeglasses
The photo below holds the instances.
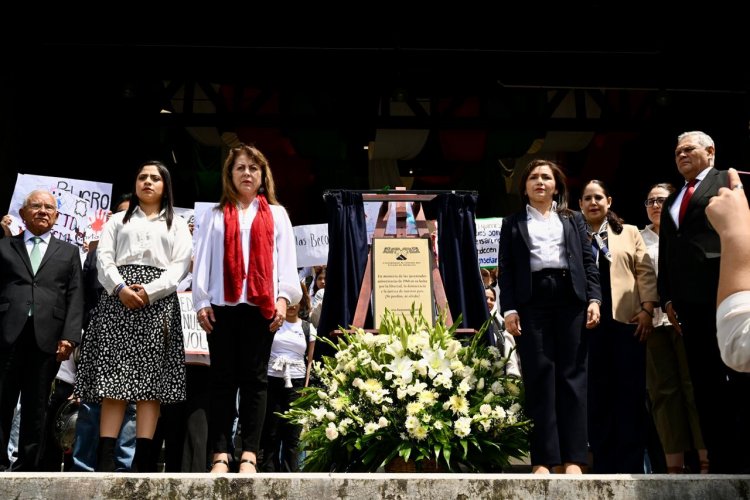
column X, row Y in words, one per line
column 39, row 206
column 651, row 202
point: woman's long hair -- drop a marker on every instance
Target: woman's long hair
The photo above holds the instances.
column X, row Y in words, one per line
column 561, row 198
column 613, row 220
column 167, row 197
column 229, row 194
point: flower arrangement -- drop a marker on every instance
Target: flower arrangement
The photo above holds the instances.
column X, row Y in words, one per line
column 413, row 391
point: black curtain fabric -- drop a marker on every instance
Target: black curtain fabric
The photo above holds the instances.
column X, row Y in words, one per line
column 347, row 259
column 457, row 255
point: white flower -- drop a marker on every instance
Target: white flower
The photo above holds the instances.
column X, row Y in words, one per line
column 370, row 428
column 416, row 388
column 435, row 361
column 452, row 349
column 319, row 413
column 485, row 409
column 330, row 415
column 414, row 407
column 418, row 341
column 371, row 385
column 395, row 349
column 457, row 404
column 411, row 422
column 382, row 422
column 357, row 382
column 419, row 433
column 402, row 367
column 438, row 425
column 464, row 387
column 331, row 431
column 499, row 413
column 497, row 387
column 427, row 398
column 462, row 426
column 338, row 403
column 494, row 351
column 480, row 384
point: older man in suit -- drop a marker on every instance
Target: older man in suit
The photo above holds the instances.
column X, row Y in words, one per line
column 689, row 257
column 41, row 311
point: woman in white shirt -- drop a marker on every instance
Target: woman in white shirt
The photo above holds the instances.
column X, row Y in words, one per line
column 244, row 277
column 288, row 371
column 134, row 349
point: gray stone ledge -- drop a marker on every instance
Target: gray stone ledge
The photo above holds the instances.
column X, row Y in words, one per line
column 84, row 486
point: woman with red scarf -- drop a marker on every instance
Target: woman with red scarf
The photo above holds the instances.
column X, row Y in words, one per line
column 244, row 277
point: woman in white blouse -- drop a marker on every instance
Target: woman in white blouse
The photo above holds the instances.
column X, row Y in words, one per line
column 244, row 277
column 134, row 349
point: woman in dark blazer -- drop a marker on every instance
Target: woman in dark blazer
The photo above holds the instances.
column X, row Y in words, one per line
column 550, row 288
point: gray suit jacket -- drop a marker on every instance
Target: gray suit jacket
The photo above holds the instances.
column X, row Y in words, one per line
column 56, row 293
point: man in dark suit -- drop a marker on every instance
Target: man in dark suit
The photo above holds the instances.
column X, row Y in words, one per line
column 41, row 311
column 689, row 256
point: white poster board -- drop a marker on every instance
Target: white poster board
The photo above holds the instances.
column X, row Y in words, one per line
column 312, row 244
column 488, row 239
column 82, row 205
column 194, row 336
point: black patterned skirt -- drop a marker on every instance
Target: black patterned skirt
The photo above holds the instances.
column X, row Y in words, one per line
column 135, row 354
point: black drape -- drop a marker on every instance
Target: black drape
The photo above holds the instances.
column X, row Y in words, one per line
column 347, row 259
column 457, row 254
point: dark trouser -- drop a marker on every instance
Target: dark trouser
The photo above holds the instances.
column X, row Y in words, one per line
column 52, row 455
column 553, row 347
column 617, row 399
column 184, row 426
column 240, row 346
column 24, row 367
column 280, row 440
column 721, row 394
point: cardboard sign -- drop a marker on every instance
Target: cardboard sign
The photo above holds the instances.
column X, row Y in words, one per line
column 194, row 336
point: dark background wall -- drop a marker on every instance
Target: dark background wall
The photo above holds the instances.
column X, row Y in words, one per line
column 84, row 100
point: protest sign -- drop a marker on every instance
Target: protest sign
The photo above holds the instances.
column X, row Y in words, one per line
column 488, row 239
column 82, row 206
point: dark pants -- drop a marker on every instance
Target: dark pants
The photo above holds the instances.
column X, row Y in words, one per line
column 721, row 394
column 25, row 368
column 240, row 346
column 184, row 426
column 617, row 399
column 280, row 440
column 553, row 347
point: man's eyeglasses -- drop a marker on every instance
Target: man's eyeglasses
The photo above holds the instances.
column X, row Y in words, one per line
column 39, row 206
column 651, row 202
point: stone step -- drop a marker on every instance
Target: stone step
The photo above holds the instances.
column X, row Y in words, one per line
column 320, row 486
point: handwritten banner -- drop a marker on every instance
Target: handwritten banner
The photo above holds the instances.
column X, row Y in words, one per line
column 488, row 239
column 312, row 244
column 194, row 336
column 82, row 206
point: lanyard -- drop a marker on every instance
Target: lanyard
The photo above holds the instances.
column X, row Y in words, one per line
column 600, row 246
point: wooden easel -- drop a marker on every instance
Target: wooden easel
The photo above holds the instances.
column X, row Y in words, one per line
column 363, row 302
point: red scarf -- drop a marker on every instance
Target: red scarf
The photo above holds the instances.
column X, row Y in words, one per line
column 259, row 272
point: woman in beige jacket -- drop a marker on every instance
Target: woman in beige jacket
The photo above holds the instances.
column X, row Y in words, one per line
column 617, row 351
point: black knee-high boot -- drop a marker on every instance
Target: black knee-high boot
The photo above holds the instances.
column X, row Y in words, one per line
column 143, row 460
column 105, row 461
